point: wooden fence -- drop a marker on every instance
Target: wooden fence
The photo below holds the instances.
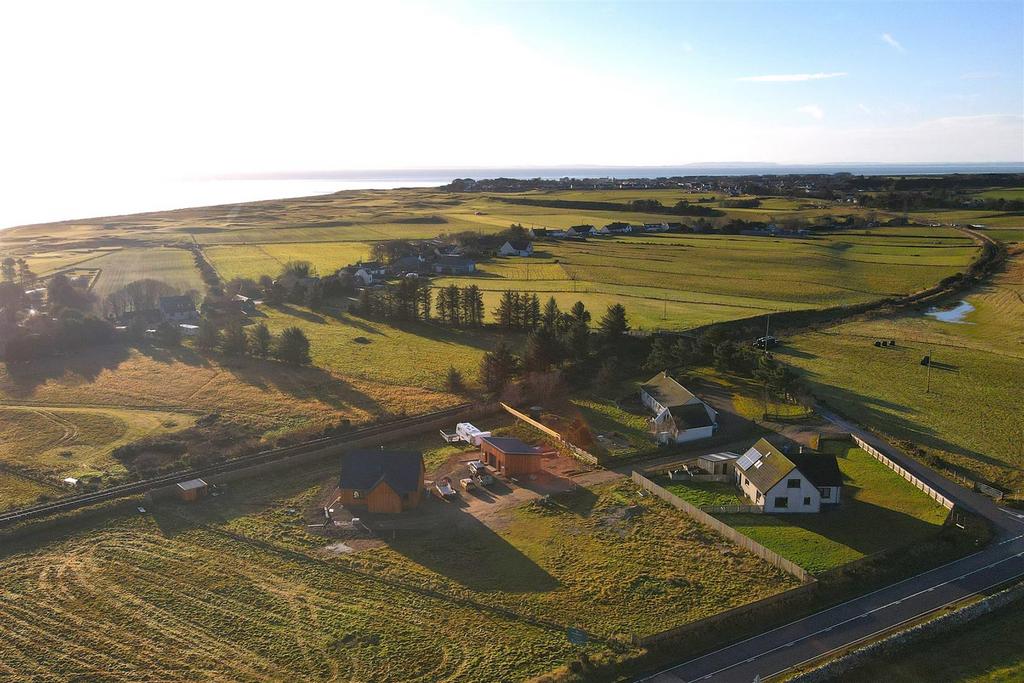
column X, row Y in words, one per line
column 679, row 475
column 736, row 537
column 576, row 452
column 895, row 467
column 734, row 509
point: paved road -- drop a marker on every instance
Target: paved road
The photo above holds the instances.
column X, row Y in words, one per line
column 807, row 639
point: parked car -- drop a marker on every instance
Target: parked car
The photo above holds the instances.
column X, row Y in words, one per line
column 467, row 483
column 479, row 470
column 445, row 489
column 768, row 342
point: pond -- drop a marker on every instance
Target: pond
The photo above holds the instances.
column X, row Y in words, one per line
column 951, row 315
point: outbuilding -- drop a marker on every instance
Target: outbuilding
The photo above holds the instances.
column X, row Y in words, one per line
column 192, row 490
column 718, row 463
column 511, row 456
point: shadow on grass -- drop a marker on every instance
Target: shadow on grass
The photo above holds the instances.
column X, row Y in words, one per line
column 86, row 364
column 468, row 552
column 307, row 383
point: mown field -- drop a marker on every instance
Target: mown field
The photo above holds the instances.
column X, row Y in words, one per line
column 972, row 416
column 879, row 511
column 236, row 588
column 171, row 265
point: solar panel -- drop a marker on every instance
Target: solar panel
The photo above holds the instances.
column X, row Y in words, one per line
column 748, row 459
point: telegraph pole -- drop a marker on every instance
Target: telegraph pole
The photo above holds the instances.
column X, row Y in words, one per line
column 928, row 385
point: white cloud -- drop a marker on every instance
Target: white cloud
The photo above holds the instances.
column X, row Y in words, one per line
column 792, row 78
column 892, row 42
column 864, row 108
column 812, row 110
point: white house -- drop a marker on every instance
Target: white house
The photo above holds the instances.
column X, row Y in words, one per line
column 656, row 227
column 516, row 248
column 579, row 231
column 769, row 478
column 679, row 416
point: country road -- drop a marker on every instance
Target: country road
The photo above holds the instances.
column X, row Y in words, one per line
column 849, row 623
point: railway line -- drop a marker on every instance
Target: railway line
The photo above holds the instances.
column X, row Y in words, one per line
column 11, row 517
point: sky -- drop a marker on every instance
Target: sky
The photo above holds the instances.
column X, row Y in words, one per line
column 183, row 89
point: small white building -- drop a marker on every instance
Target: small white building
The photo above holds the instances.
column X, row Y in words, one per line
column 769, row 478
column 718, row 463
column 516, row 248
column 465, row 431
column 679, row 416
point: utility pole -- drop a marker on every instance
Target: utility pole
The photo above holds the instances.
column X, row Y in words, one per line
column 928, row 385
column 767, row 327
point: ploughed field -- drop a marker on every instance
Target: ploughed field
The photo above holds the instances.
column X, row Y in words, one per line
column 237, row 588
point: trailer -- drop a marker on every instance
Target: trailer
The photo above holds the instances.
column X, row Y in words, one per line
column 470, row 434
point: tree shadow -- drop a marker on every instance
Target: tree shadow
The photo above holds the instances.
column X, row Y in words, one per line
column 467, row 551
column 308, row 383
column 173, row 354
column 86, row 364
column 308, row 316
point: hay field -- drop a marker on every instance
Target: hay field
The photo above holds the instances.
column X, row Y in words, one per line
column 972, row 416
column 237, row 589
column 253, row 260
column 171, row 265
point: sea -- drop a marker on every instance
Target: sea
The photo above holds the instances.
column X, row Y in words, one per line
column 81, row 198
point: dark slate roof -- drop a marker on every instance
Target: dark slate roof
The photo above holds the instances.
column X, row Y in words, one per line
column 513, row 445
column 691, row 416
column 774, row 466
column 362, row 470
column 822, row 470
column 454, row 261
column 520, row 245
column 177, row 304
column 581, row 228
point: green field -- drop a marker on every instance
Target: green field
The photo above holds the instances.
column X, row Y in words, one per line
column 971, row 416
column 704, row 493
column 253, row 260
column 993, row 643
column 236, row 588
column 878, row 511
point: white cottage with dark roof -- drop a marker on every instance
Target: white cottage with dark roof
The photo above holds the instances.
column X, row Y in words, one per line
column 679, row 416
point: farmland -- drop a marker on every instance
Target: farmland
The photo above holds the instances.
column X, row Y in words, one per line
column 970, row 415
column 879, row 511
column 239, row 589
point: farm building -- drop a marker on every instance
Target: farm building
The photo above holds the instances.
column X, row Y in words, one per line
column 679, row 416
column 511, row 457
column 191, row 490
column 769, row 478
column 580, row 231
column 178, row 309
column 718, row 463
column 381, row 481
column 454, row 265
column 516, row 248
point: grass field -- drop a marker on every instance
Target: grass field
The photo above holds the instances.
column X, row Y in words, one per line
column 879, row 511
column 170, row 265
column 56, row 442
column 237, row 589
column 993, row 643
column 972, row 415
column 16, row 491
column 268, row 259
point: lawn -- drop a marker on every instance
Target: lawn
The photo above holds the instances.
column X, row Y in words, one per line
column 704, row 493
column 971, row 415
column 253, row 260
column 625, row 434
column 237, row 589
column 879, row 511
column 984, row 651
column 16, row 491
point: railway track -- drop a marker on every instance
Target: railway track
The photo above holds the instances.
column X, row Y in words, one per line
column 133, row 488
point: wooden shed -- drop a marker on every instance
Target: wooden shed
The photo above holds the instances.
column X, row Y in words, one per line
column 381, row 481
column 512, row 457
column 192, row 490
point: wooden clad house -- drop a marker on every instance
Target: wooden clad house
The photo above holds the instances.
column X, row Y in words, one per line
column 511, row 457
column 381, row 481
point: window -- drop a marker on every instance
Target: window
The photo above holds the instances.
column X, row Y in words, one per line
column 792, row 483
column 746, row 482
column 807, row 500
column 758, row 497
column 781, row 502
column 825, row 492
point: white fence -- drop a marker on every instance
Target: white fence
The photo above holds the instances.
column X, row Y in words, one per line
column 898, row 469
